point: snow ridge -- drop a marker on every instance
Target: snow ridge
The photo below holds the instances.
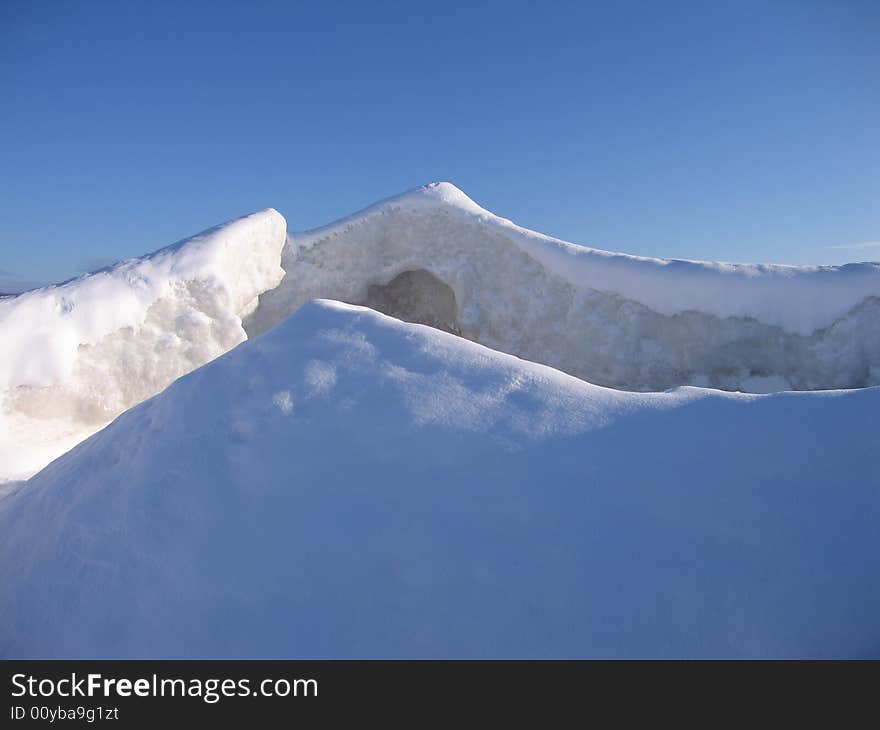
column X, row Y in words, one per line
column 77, row 354
column 800, row 299
column 432, row 255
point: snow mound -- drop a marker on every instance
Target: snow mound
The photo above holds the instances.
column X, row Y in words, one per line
column 434, row 256
column 349, row 485
column 77, row 354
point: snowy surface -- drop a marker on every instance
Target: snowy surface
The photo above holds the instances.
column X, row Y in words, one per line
column 800, row 299
column 349, row 485
column 76, row 355
column 624, row 321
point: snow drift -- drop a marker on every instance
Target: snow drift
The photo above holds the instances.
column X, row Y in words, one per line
column 434, row 256
column 76, row 355
column 352, row 486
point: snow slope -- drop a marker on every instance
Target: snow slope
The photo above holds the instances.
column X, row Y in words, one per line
column 76, row 355
column 349, row 485
column 434, row 256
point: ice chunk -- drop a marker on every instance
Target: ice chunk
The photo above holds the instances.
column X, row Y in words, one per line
column 77, row 354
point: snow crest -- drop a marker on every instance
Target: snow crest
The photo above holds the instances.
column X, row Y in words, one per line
column 434, row 256
column 77, row 354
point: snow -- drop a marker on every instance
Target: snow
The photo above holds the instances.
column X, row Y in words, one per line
column 348, row 485
column 434, row 256
column 798, row 299
column 77, row 354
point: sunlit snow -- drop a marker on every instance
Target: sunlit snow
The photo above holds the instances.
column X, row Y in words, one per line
column 435, row 498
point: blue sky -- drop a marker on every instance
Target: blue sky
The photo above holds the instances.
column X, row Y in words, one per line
column 722, row 130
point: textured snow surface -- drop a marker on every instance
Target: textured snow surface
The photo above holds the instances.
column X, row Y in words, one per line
column 349, row 485
column 76, row 355
column 624, row 321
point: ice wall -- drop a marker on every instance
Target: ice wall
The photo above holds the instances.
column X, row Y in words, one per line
column 78, row 354
column 434, row 256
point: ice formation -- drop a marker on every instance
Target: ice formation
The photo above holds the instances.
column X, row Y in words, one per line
column 434, row 256
column 76, row 355
column 349, row 485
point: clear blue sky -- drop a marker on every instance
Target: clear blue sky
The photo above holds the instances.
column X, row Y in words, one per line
column 723, row 130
